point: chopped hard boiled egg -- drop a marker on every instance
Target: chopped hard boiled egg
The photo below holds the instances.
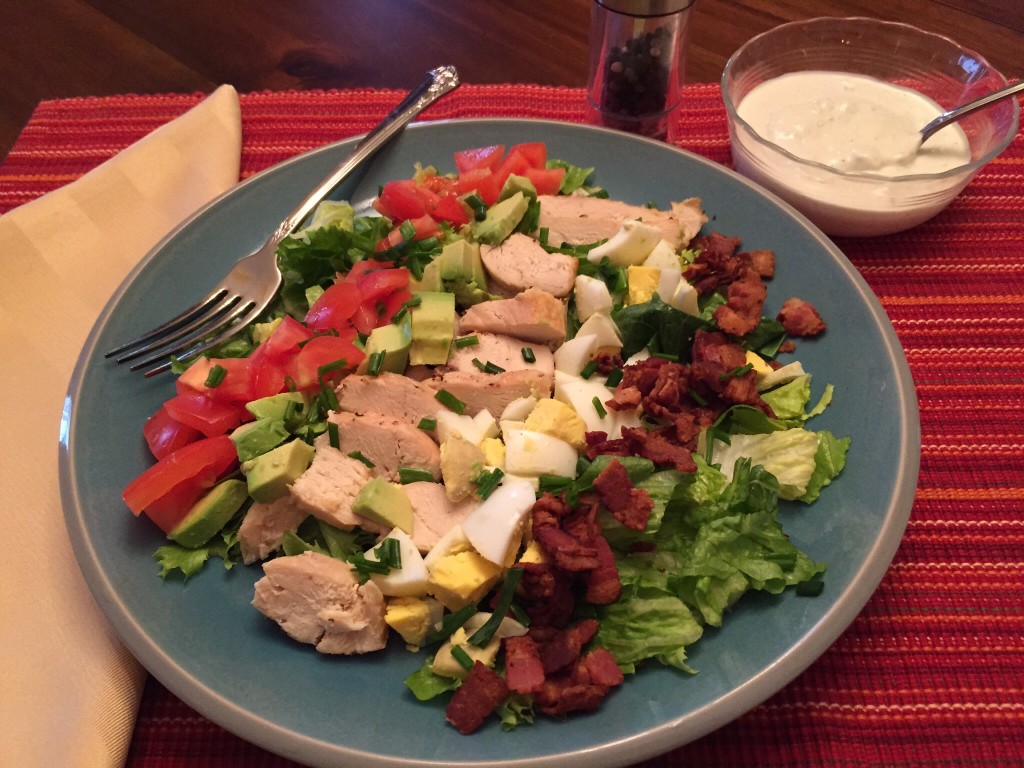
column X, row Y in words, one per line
column 630, row 245
column 574, row 354
column 592, row 297
column 518, row 409
column 535, row 453
column 555, row 418
column 581, row 394
column 460, row 579
column 412, row 618
column 604, row 328
column 495, row 526
column 411, row 578
column 472, row 428
column 445, row 663
column 642, row 283
column 494, row 451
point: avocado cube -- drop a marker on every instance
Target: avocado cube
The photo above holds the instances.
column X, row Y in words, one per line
column 502, row 219
column 210, row 514
column 385, row 503
column 392, row 341
column 433, row 328
column 258, row 437
column 269, row 475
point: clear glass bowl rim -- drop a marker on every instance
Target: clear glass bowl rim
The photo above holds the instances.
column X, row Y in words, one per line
column 966, row 168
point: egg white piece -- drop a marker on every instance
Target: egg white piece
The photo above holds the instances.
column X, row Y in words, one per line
column 493, row 525
column 535, row 453
column 604, row 329
column 630, row 245
column 473, row 429
column 518, row 409
column 580, row 394
column 574, row 354
column 592, row 296
column 411, row 578
column 454, row 540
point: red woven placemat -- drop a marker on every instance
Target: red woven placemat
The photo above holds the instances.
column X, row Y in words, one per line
column 932, row 671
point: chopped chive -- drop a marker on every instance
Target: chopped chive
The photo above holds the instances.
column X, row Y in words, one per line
column 467, row 341
column 520, row 615
column 427, row 424
column 389, row 552
column 480, row 366
column 666, row 356
column 408, row 475
column 811, row 588
column 487, row 482
column 614, row 378
column 462, row 657
column 528, row 355
column 216, row 376
column 478, row 205
column 415, row 301
column 328, row 397
column 407, row 230
column 400, row 314
column 697, row 398
column 332, row 434
column 328, row 368
column 353, row 454
column 375, row 362
column 492, row 368
column 449, row 623
column 589, row 369
column 599, row 407
column 736, row 372
column 553, row 483
column 483, row 636
column 290, row 408
column 542, row 235
column 449, row 401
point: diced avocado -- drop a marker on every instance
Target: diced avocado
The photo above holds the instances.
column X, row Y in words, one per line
column 258, row 437
column 515, row 184
column 461, row 464
column 394, row 341
column 275, row 406
column 261, row 331
column 386, row 503
column 269, row 475
column 210, row 514
column 433, row 328
column 501, row 220
column 462, row 272
column 431, row 280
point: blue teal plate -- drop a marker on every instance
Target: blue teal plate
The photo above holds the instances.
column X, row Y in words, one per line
column 204, row 641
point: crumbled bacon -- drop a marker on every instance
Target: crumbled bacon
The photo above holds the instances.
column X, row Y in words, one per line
column 603, row 584
column 745, row 297
column 481, row 691
column 800, row 318
column 524, row 672
column 630, row 505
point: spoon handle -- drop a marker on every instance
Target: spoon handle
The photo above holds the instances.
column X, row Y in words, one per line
column 972, row 106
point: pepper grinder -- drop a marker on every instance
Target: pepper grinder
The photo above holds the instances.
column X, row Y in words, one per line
column 637, row 56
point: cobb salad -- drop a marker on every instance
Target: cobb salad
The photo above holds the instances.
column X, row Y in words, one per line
column 537, row 434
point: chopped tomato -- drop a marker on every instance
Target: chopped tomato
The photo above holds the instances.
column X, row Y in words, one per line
column 164, row 435
column 209, row 416
column 168, row 489
column 423, row 227
column 547, row 181
column 480, row 157
column 535, row 153
column 482, row 182
column 404, row 199
column 363, row 267
column 321, row 351
column 234, row 385
column 334, row 308
column 376, row 285
column 449, row 208
column 284, row 341
column 516, row 163
column 269, row 376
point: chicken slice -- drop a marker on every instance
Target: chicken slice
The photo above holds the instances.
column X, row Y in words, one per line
column 533, row 315
column 265, row 525
column 493, row 392
column 504, row 351
column 578, row 220
column 316, row 599
column 520, row 262
column 434, row 513
column 327, row 489
column 391, row 394
column 387, row 442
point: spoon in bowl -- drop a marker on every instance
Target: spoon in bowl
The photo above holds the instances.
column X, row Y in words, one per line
column 966, row 109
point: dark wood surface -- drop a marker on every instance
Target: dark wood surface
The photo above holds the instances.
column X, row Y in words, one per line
column 60, row 48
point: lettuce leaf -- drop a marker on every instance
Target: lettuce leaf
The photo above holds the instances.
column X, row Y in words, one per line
column 829, row 460
column 787, row 454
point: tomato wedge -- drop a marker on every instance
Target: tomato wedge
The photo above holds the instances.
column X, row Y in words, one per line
column 211, row 417
column 482, row 182
column 321, row 351
column 547, row 181
column 534, row 152
column 168, row 489
column 285, row 340
column 334, row 308
column 164, row 434
column 479, row 157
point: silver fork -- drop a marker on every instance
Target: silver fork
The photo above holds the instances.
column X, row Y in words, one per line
column 253, row 282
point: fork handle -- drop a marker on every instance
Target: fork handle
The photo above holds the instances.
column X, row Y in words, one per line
column 436, row 84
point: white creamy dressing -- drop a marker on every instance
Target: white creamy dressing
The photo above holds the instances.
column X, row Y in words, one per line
column 853, row 123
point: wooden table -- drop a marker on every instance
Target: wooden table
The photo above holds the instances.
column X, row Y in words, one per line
column 60, row 48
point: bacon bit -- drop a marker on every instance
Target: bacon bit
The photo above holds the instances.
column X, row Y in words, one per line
column 480, row 693
column 659, row 447
column 603, row 668
column 524, row 672
column 800, row 318
column 603, row 584
column 744, row 303
column 630, row 505
column 762, row 262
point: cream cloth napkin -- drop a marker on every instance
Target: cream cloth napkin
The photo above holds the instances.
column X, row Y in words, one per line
column 69, row 691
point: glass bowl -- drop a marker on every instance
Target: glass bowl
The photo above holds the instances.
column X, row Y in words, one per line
column 865, row 204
